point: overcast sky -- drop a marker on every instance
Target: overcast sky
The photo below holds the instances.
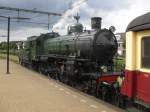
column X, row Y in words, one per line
column 113, row 12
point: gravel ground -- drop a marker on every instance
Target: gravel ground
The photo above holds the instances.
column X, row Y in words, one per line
column 24, row 90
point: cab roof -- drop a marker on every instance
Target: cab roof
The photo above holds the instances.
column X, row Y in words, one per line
column 47, row 35
column 32, row 38
column 139, row 23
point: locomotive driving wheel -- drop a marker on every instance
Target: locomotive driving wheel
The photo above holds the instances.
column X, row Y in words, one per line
column 117, row 99
column 98, row 91
column 120, row 101
column 104, row 93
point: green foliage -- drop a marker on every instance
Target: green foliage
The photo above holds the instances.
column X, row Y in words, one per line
column 3, row 46
column 12, row 52
column 119, row 64
column 13, row 48
column 13, row 58
column 124, row 45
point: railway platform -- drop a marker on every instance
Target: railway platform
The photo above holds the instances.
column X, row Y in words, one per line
column 24, row 90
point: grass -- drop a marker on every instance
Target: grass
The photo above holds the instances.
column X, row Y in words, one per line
column 13, row 58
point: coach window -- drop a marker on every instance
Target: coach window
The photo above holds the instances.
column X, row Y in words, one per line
column 145, row 52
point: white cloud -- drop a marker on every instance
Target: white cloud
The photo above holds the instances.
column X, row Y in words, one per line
column 119, row 18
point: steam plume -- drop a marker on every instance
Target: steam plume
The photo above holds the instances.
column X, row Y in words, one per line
column 61, row 25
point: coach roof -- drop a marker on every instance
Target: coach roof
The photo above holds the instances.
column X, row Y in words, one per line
column 140, row 23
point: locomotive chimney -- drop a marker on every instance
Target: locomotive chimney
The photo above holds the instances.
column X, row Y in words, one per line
column 96, row 23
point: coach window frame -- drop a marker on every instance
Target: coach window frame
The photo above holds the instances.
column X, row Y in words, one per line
column 143, row 52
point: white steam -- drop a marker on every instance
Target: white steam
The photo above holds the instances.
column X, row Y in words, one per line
column 61, row 25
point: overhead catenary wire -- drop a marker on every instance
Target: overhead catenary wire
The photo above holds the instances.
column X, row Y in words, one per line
column 19, row 10
column 5, row 12
column 30, row 11
column 30, row 22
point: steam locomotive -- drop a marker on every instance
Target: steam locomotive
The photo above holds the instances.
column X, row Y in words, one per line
column 72, row 58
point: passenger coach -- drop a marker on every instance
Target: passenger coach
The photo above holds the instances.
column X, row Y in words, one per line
column 136, row 85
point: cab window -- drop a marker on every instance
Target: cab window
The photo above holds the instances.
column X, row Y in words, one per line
column 145, row 52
